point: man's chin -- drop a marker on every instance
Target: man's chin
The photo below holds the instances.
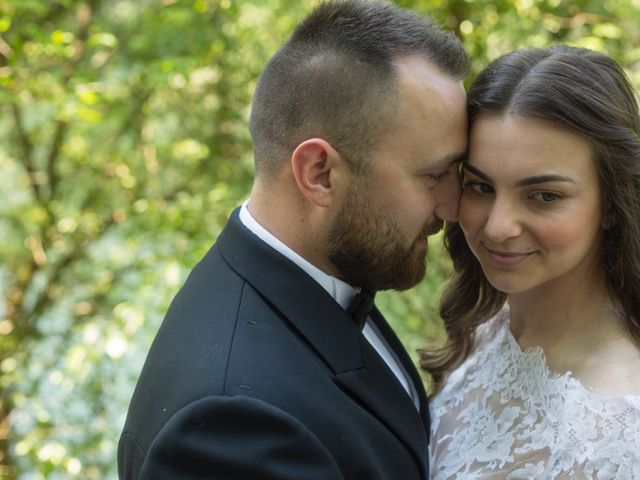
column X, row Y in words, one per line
column 410, row 275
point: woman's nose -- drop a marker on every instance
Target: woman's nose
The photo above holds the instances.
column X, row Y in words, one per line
column 503, row 221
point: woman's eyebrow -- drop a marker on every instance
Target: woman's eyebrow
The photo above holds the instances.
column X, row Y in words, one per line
column 543, row 179
column 525, row 181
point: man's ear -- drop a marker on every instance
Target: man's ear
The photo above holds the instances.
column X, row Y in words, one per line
column 315, row 164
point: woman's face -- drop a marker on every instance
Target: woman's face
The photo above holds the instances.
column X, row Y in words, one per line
column 531, row 206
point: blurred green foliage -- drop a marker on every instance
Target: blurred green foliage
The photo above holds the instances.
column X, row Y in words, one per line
column 124, row 148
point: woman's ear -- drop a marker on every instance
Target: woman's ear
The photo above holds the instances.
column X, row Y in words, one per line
column 315, row 165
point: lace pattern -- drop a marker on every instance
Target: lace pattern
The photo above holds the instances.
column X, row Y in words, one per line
column 503, row 415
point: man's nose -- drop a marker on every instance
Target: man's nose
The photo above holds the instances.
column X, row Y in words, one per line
column 448, row 198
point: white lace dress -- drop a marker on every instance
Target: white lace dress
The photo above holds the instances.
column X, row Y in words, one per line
column 503, row 415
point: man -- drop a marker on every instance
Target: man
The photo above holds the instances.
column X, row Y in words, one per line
column 259, row 371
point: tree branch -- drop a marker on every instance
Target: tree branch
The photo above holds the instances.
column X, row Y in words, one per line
column 26, row 158
column 52, row 157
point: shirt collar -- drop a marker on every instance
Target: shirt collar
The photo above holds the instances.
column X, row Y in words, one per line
column 341, row 291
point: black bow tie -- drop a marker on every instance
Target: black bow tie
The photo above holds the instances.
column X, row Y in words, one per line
column 361, row 306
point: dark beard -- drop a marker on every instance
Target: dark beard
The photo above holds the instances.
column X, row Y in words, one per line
column 367, row 248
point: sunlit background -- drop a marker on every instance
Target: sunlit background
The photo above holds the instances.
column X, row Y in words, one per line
column 124, row 147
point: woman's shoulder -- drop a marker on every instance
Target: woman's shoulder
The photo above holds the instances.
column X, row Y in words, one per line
column 485, row 363
column 612, row 370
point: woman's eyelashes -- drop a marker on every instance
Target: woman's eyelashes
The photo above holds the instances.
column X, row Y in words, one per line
column 546, row 196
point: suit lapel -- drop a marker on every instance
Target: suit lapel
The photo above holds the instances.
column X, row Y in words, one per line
column 302, row 302
column 397, row 347
column 379, row 390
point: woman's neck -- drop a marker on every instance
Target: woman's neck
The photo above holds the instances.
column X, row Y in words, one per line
column 560, row 313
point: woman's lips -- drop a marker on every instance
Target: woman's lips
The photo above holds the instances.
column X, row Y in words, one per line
column 507, row 259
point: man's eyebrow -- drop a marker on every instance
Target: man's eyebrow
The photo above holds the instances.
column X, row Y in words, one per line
column 454, row 158
column 535, row 180
column 445, row 162
column 476, row 171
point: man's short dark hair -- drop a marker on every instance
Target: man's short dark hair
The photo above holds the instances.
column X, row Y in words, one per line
column 335, row 79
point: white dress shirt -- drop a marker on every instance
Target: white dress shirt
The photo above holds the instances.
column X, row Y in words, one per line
column 342, row 292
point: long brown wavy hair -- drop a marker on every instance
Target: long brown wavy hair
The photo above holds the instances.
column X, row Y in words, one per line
column 589, row 94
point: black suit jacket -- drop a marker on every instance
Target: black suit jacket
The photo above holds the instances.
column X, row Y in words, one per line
column 257, row 373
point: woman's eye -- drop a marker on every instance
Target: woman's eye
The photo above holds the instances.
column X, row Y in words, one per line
column 546, row 197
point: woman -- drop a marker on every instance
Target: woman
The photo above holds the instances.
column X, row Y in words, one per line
column 541, row 374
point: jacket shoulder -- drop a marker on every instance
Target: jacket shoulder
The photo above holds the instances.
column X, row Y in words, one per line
column 232, row 437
